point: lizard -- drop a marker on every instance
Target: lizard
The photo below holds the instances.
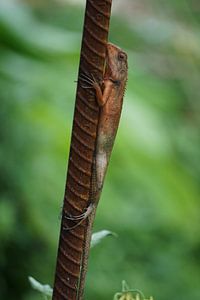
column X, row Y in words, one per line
column 109, row 96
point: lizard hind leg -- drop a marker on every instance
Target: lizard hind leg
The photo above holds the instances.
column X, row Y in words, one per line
column 79, row 218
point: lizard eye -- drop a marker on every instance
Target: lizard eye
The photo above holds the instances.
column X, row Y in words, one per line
column 121, row 56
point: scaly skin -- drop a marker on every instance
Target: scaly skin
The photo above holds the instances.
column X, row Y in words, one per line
column 110, row 103
column 110, row 99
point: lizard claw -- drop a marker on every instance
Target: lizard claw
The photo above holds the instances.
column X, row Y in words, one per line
column 80, row 217
column 89, row 80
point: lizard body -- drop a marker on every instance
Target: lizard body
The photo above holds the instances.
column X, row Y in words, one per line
column 110, row 102
column 109, row 97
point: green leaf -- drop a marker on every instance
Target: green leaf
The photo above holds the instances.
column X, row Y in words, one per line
column 45, row 289
column 97, row 237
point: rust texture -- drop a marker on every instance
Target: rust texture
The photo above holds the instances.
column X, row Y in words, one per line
column 95, row 34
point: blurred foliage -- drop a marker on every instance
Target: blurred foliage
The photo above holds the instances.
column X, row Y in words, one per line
column 43, row 289
column 151, row 193
column 129, row 294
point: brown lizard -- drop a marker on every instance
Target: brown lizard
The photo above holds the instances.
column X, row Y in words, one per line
column 109, row 96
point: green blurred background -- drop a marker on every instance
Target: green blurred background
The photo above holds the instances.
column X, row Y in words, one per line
column 151, row 194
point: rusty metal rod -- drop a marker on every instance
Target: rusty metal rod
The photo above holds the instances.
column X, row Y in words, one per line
column 92, row 60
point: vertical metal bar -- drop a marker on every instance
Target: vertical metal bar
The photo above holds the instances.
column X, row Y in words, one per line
column 92, row 60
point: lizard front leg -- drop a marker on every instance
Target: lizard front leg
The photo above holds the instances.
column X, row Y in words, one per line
column 92, row 83
column 101, row 157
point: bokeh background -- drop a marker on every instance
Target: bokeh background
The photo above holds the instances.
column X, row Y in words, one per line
column 151, row 194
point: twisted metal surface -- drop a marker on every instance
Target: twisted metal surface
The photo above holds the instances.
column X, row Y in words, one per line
column 82, row 149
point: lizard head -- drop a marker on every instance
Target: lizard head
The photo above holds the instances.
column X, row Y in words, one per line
column 116, row 63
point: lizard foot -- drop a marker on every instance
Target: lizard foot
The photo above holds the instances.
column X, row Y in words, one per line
column 89, row 81
column 79, row 218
